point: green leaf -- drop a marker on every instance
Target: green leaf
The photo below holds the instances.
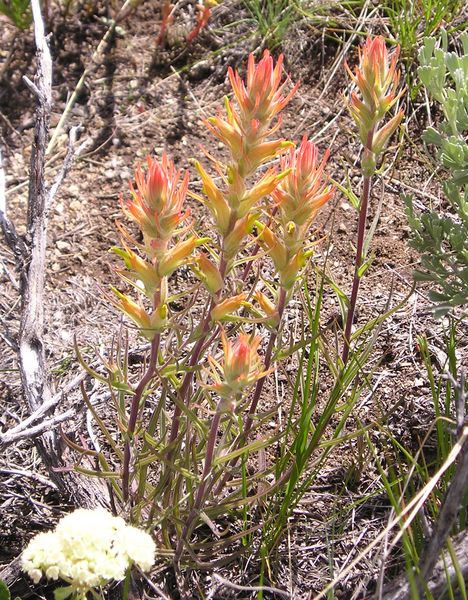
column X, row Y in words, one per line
column 63, row 592
column 4, row 592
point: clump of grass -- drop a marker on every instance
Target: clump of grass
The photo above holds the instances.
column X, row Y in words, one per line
column 272, row 19
column 18, row 11
column 413, row 20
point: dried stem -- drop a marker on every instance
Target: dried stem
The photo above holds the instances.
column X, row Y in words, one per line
column 30, row 253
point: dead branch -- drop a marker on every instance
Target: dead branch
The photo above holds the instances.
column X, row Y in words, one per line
column 442, row 572
column 31, row 253
column 12, row 436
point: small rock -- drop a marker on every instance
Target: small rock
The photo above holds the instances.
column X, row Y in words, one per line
column 342, row 228
column 346, row 206
column 61, row 245
column 55, row 267
column 73, row 189
column 59, row 208
column 76, row 205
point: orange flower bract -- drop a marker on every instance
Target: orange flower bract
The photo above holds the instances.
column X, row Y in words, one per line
column 240, row 367
column 156, row 205
column 377, row 79
column 262, row 96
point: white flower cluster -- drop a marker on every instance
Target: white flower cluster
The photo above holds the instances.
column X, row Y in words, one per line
column 87, row 549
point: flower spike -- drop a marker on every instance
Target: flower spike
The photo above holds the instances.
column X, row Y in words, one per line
column 377, row 78
column 240, row 368
column 156, row 204
column 262, row 96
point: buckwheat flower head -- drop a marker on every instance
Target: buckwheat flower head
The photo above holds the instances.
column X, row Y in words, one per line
column 88, row 548
column 137, row 545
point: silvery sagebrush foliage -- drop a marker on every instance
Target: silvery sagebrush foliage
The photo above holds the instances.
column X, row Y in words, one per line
column 87, row 550
column 441, row 240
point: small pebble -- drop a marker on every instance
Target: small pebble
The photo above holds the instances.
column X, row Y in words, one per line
column 76, row 205
column 61, row 245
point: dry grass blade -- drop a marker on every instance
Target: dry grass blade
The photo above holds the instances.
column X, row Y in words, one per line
column 404, row 519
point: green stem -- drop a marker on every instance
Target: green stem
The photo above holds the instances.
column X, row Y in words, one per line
column 126, row 585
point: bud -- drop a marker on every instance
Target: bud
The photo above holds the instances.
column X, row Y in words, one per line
column 234, row 239
column 290, row 272
column 139, row 269
column 178, row 255
column 268, row 308
column 275, row 248
column 215, row 200
column 240, row 368
column 148, row 325
column 227, row 307
column 208, row 273
column 382, row 136
column 265, row 186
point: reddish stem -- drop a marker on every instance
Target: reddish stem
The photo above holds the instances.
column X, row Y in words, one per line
column 200, row 497
column 365, row 196
column 134, row 411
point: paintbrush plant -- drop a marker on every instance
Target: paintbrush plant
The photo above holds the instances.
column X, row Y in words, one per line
column 377, row 79
column 186, row 423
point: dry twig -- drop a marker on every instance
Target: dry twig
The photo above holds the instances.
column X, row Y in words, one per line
column 30, row 253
